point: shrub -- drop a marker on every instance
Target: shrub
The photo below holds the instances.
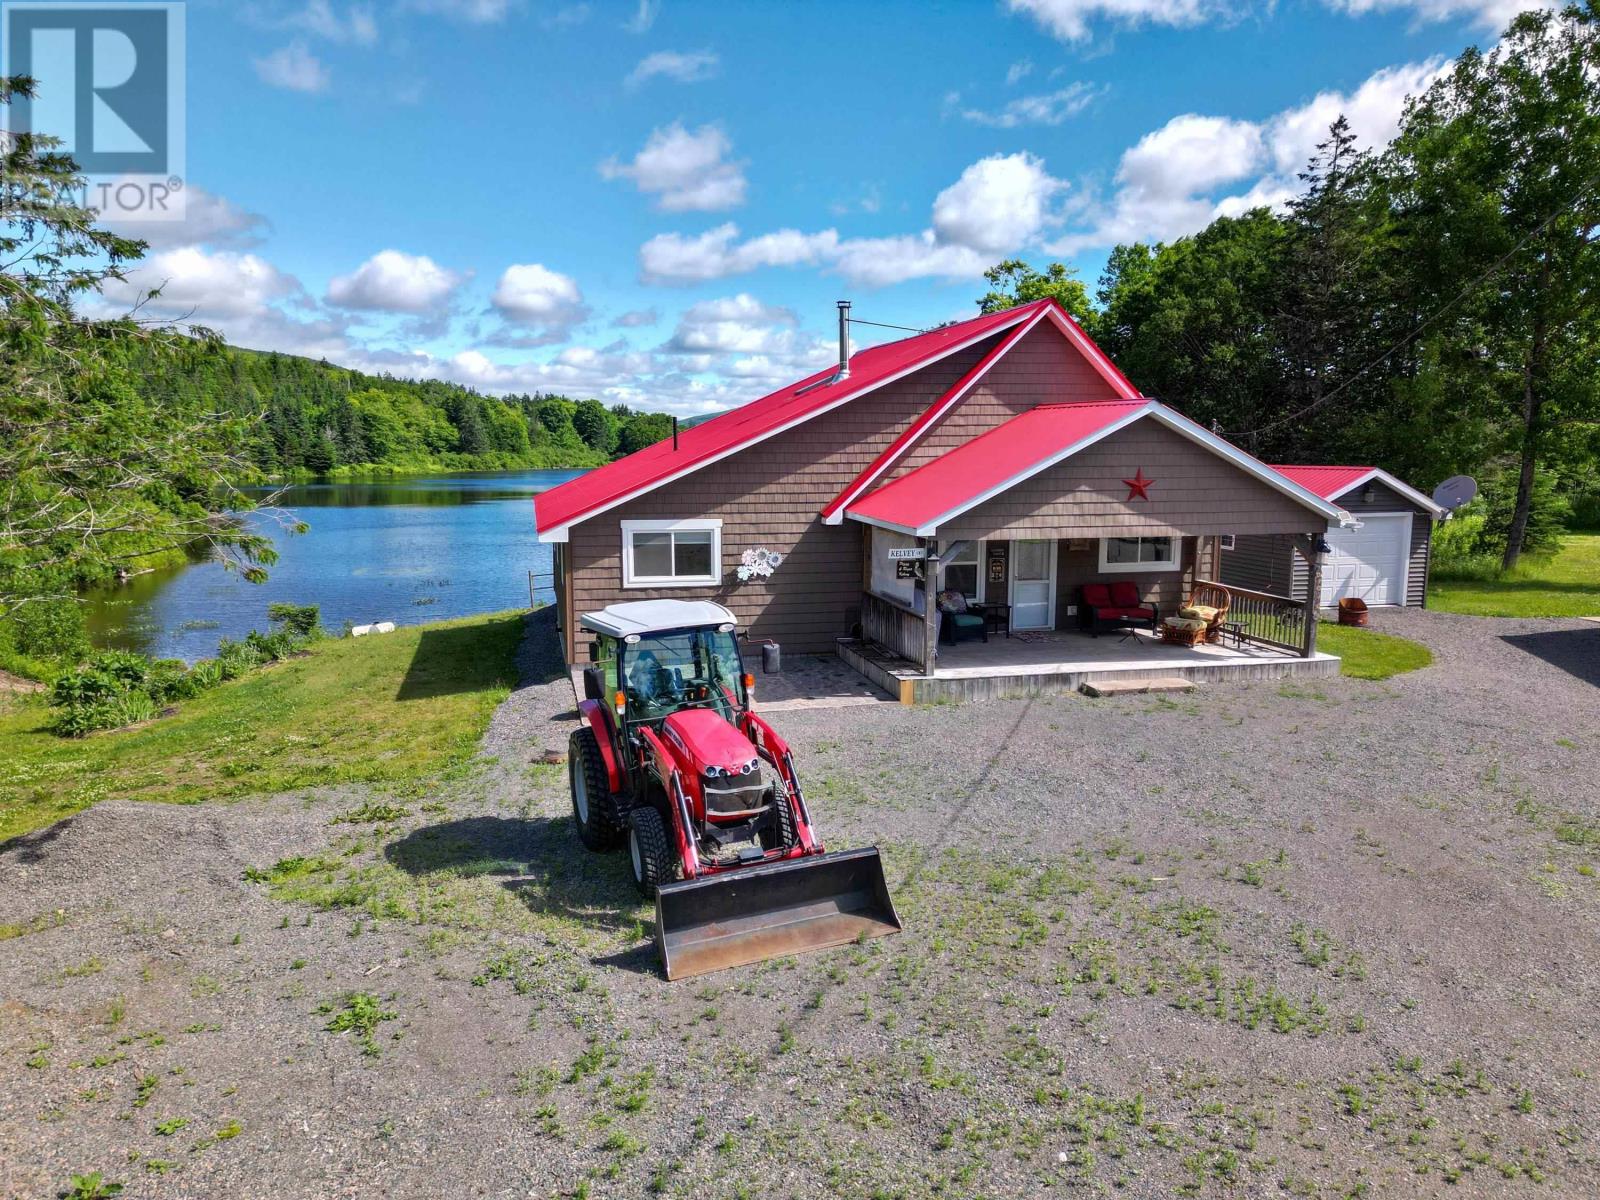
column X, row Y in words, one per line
column 1547, row 515
column 300, row 620
column 43, row 634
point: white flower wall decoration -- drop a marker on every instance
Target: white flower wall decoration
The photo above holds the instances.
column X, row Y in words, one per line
column 758, row 563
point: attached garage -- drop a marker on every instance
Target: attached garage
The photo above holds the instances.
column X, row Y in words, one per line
column 1382, row 559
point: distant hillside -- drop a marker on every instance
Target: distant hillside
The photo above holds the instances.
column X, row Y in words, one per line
column 321, row 419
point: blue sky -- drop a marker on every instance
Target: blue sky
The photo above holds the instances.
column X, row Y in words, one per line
column 659, row 202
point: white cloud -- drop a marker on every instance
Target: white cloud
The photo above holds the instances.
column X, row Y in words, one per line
column 1167, row 181
column 295, row 68
column 681, row 67
column 1071, row 20
column 879, row 262
column 392, row 281
column 687, row 172
column 321, row 19
column 475, row 12
column 643, row 17
column 739, row 324
column 567, row 17
column 998, row 204
column 1488, row 14
column 1018, row 71
column 676, row 258
column 532, row 295
column 1051, row 108
column 204, row 286
column 636, row 318
column 208, row 219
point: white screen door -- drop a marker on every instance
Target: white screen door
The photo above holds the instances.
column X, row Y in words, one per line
column 1033, row 584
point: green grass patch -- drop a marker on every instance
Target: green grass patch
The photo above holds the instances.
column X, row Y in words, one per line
column 390, row 709
column 1563, row 584
column 1368, row 654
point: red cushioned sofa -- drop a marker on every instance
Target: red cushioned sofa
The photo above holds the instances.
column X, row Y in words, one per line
column 1115, row 606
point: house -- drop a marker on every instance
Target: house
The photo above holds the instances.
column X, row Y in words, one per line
column 1382, row 559
column 1004, row 457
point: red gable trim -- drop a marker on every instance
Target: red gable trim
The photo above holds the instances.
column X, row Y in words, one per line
column 833, row 514
column 592, row 493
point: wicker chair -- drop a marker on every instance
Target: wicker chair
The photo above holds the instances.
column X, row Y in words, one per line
column 1209, row 602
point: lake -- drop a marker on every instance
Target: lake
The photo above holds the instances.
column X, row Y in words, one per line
column 407, row 549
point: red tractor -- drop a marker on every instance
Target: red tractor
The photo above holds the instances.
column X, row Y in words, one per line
column 673, row 762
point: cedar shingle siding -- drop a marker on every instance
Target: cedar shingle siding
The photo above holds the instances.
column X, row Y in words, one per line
column 1270, row 564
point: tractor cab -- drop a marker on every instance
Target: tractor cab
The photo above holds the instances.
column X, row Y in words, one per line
column 674, row 762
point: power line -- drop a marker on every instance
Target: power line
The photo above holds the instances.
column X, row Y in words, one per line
column 1472, row 287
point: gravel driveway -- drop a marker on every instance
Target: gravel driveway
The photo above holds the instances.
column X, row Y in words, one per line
column 1334, row 938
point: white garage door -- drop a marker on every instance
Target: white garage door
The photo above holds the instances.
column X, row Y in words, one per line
column 1368, row 563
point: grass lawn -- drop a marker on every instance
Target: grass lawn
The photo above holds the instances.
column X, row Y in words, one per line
column 1368, row 654
column 393, row 709
column 1565, row 584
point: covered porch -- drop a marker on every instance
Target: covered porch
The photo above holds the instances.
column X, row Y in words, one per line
column 1073, row 543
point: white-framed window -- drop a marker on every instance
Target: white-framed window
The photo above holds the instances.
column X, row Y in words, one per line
column 962, row 569
column 657, row 554
column 1139, row 554
column 1225, row 540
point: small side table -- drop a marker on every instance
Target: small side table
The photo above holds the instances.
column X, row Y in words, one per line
column 997, row 617
column 1233, row 630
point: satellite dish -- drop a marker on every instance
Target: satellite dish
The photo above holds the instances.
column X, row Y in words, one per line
column 1455, row 491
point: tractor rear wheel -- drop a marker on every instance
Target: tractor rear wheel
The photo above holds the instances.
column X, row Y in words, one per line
column 594, row 808
column 650, row 852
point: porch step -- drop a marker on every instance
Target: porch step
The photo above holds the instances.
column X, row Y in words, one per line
column 1133, row 687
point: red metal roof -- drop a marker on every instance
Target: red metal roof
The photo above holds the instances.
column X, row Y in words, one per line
column 654, row 465
column 991, row 462
column 1326, row 482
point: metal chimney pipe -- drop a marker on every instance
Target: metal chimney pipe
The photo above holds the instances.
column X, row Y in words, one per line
column 674, row 433
column 844, row 340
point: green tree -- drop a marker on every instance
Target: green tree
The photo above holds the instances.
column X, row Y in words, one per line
column 98, row 473
column 643, row 429
column 595, row 426
column 1496, row 185
column 1014, row 282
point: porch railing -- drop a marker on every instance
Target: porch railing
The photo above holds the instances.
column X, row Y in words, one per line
column 896, row 629
column 1265, row 619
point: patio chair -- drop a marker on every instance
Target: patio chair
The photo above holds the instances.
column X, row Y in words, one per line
column 1115, row 606
column 1209, row 602
column 957, row 621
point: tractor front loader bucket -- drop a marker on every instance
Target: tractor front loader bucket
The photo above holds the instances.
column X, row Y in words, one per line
column 769, row 911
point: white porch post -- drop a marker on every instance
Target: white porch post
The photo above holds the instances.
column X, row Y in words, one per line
column 930, row 607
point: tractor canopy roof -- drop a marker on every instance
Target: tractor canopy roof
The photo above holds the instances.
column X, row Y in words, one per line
column 656, row 616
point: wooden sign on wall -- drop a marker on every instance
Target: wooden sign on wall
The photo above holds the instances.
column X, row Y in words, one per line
column 999, row 560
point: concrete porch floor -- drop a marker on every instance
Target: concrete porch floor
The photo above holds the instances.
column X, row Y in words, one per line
column 1056, row 661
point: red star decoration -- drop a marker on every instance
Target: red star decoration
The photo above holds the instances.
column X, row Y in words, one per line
column 1138, row 486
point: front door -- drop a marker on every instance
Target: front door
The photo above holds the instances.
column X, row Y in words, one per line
column 1033, row 584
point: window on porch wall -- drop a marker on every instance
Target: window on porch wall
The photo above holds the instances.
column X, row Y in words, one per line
column 1140, row 554
column 961, row 570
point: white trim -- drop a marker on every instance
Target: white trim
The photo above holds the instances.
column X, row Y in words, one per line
column 1165, row 567
column 1053, row 582
column 1226, row 541
column 709, row 525
column 1405, row 490
column 559, row 532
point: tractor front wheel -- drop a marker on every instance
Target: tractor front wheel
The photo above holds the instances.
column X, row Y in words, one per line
column 594, row 808
column 651, row 853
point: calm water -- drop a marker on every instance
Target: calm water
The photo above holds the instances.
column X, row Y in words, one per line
column 404, row 549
